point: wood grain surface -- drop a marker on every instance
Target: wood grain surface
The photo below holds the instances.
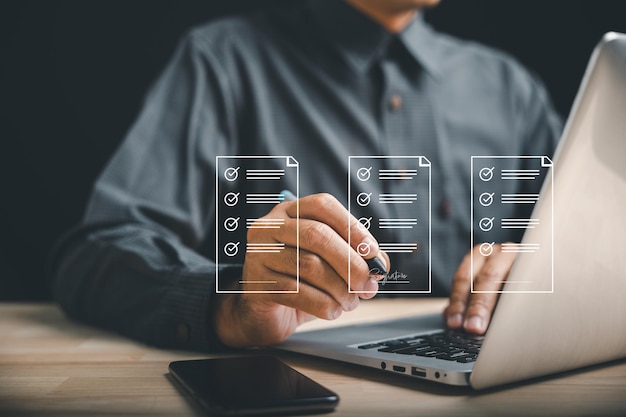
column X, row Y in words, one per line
column 52, row 366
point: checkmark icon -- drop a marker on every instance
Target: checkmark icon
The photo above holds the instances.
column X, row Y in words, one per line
column 363, row 199
column 363, row 174
column 231, row 224
column 365, row 222
column 231, row 248
column 231, row 199
column 486, row 249
column 486, row 199
column 363, row 249
column 486, row 223
column 486, row 174
column 231, row 174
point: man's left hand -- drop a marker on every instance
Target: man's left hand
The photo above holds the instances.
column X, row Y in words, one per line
column 472, row 311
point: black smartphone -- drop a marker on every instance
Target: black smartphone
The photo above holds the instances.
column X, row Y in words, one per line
column 251, row 386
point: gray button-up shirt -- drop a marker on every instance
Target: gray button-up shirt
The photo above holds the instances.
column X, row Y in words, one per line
column 320, row 82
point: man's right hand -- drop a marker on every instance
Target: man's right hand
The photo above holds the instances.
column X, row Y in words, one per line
column 258, row 319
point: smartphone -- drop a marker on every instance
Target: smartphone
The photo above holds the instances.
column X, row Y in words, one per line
column 251, row 386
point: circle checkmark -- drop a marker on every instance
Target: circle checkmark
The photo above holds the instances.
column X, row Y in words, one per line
column 363, row 174
column 231, row 174
column 231, row 199
column 486, row 249
column 486, row 174
column 363, row 249
column 231, row 223
column 365, row 222
column 486, row 199
column 486, row 223
column 363, row 199
column 231, row 248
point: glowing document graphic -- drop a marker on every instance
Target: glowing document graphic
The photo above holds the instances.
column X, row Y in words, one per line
column 246, row 189
column 391, row 197
column 503, row 195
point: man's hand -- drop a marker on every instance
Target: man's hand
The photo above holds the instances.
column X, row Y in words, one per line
column 256, row 319
column 472, row 311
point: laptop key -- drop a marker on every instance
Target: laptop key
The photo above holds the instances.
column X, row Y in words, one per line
column 394, row 349
column 466, row 359
column 411, row 350
column 390, row 343
column 427, row 353
column 369, row 346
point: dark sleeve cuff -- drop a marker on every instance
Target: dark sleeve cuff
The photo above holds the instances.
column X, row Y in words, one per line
column 188, row 308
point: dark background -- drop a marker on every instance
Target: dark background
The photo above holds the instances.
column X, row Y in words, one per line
column 73, row 74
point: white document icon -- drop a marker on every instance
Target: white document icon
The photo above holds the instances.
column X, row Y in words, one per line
column 391, row 197
column 246, row 190
column 504, row 192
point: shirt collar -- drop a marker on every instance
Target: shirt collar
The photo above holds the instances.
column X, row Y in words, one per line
column 362, row 41
column 424, row 44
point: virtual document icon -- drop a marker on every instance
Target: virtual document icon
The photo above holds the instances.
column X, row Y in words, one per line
column 504, row 192
column 391, row 198
column 246, row 189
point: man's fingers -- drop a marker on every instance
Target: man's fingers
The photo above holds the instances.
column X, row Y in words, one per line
column 310, row 300
column 323, row 229
column 326, row 209
column 315, row 271
column 454, row 313
column 487, row 282
column 472, row 311
column 319, row 238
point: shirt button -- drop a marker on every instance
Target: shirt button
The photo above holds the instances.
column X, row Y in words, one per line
column 395, row 102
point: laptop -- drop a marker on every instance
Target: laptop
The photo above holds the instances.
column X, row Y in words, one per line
column 582, row 320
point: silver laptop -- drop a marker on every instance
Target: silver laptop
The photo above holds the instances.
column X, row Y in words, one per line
column 583, row 320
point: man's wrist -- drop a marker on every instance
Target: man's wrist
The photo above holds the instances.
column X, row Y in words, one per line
column 227, row 329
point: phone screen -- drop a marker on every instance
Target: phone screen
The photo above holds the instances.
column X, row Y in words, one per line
column 251, row 385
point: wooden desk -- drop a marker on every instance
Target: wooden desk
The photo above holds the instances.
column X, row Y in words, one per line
column 50, row 366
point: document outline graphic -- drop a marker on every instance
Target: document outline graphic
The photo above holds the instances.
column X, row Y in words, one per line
column 487, row 164
column 233, row 173
column 393, row 223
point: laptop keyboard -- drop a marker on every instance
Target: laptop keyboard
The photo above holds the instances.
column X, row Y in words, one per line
column 448, row 345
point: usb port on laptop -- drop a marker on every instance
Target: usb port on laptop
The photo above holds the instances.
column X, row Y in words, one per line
column 418, row 372
column 399, row 368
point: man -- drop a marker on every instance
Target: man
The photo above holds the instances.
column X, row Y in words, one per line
column 320, row 81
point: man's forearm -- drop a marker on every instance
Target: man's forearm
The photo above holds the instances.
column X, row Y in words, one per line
column 138, row 282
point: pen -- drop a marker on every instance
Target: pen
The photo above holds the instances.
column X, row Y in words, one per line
column 377, row 267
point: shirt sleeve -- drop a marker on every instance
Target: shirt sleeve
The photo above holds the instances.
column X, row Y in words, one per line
column 135, row 264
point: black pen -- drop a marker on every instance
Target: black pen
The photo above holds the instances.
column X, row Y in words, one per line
column 376, row 265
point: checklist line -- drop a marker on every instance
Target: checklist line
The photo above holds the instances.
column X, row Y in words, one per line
column 519, row 174
column 519, row 198
column 519, row 223
column 520, row 247
column 397, row 198
column 264, row 198
column 264, row 223
column 396, row 174
column 396, row 223
column 264, row 247
column 264, row 174
column 398, row 247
